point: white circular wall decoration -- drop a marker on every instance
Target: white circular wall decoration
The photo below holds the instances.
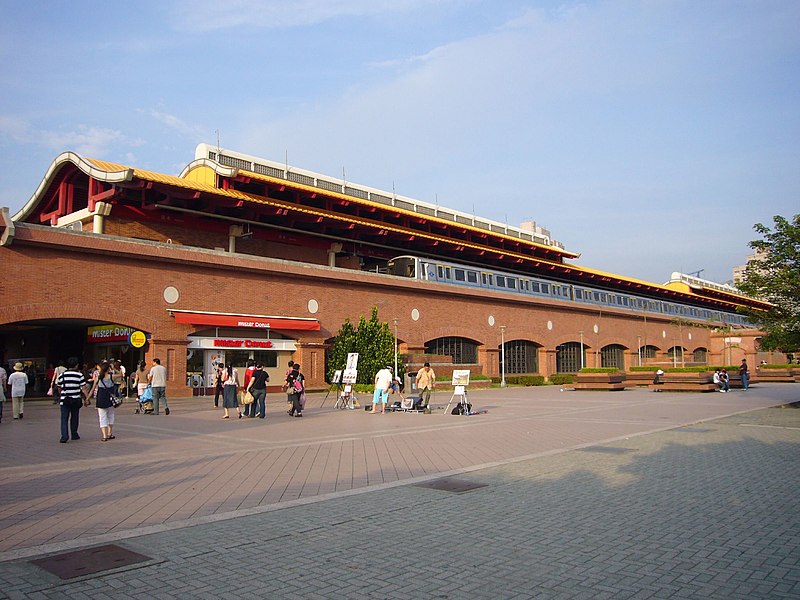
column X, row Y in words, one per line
column 690, row 336
column 171, row 294
column 663, row 334
column 596, row 329
column 313, row 306
column 415, row 315
column 550, row 325
column 491, row 320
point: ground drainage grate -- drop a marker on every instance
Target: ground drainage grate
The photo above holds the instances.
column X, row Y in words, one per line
column 89, row 561
column 606, row 449
column 450, row 485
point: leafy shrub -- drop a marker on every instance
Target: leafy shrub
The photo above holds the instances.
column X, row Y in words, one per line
column 599, row 370
column 562, row 378
column 526, row 380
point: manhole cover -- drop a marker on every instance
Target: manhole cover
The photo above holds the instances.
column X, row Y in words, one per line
column 607, row 449
column 451, row 485
column 91, row 560
column 693, row 430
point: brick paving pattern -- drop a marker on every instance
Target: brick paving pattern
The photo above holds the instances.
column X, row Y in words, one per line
column 586, row 495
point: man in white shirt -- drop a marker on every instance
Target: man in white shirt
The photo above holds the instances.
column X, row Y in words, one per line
column 158, row 381
column 383, row 380
column 18, row 382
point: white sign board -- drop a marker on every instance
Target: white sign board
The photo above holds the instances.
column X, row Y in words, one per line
column 349, row 376
column 460, row 377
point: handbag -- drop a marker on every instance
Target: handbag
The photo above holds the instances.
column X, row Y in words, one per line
column 247, row 398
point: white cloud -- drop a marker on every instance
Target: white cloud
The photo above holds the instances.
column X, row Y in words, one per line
column 208, row 15
column 95, row 142
column 189, row 130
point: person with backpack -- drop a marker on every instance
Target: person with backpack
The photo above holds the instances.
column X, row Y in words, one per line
column 294, row 390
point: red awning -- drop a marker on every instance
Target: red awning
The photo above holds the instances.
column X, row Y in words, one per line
column 251, row 321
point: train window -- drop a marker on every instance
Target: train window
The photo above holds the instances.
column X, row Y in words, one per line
column 524, row 285
column 511, row 283
column 472, row 277
column 501, row 281
column 440, row 272
column 460, row 274
column 535, row 287
column 545, row 288
column 487, row 279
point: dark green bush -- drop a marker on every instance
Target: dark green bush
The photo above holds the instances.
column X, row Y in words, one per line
column 562, row 378
column 599, row 370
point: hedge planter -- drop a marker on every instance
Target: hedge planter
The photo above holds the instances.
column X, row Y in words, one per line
column 777, row 375
column 686, row 382
column 639, row 378
column 600, row 381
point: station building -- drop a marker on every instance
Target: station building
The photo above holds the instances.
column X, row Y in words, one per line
column 240, row 257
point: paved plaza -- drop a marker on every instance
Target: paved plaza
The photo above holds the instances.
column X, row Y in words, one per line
column 549, row 494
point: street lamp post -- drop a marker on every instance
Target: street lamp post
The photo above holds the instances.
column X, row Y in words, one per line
column 581, row 332
column 639, row 344
column 502, row 356
column 395, row 321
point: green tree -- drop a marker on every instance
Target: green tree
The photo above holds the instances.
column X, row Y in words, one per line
column 372, row 340
column 774, row 276
column 343, row 344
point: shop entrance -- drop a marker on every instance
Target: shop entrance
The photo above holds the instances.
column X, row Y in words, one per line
column 40, row 345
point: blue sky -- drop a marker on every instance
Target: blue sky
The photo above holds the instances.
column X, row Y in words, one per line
column 647, row 135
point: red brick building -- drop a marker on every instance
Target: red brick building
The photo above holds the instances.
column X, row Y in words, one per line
column 240, row 257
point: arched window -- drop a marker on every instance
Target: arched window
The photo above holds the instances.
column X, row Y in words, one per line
column 568, row 357
column 647, row 352
column 613, row 356
column 675, row 354
column 522, row 356
column 700, row 355
column 462, row 350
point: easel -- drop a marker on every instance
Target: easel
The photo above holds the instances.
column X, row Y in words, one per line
column 346, row 397
column 460, row 391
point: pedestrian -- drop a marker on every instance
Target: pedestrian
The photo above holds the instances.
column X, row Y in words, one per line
column 295, row 387
column 158, row 380
column 102, row 391
column 3, row 384
column 249, row 409
column 744, row 374
column 140, row 378
column 230, row 386
column 426, row 381
column 289, row 365
column 18, row 382
column 717, row 380
column 71, row 384
column 257, row 386
column 218, row 371
column 54, row 389
column 118, row 377
column 724, row 380
column 383, row 381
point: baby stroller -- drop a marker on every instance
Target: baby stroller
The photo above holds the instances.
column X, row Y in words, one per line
column 145, row 402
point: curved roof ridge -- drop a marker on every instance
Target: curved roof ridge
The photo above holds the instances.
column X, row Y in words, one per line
column 88, row 166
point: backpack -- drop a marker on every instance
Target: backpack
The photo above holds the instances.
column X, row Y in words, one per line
column 462, row 409
column 298, row 385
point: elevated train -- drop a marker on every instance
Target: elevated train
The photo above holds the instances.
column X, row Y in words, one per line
column 426, row 269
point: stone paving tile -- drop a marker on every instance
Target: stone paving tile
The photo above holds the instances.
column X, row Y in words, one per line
column 684, row 514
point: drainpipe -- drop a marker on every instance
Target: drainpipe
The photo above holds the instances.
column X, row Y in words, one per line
column 101, row 211
column 234, row 231
column 335, row 247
